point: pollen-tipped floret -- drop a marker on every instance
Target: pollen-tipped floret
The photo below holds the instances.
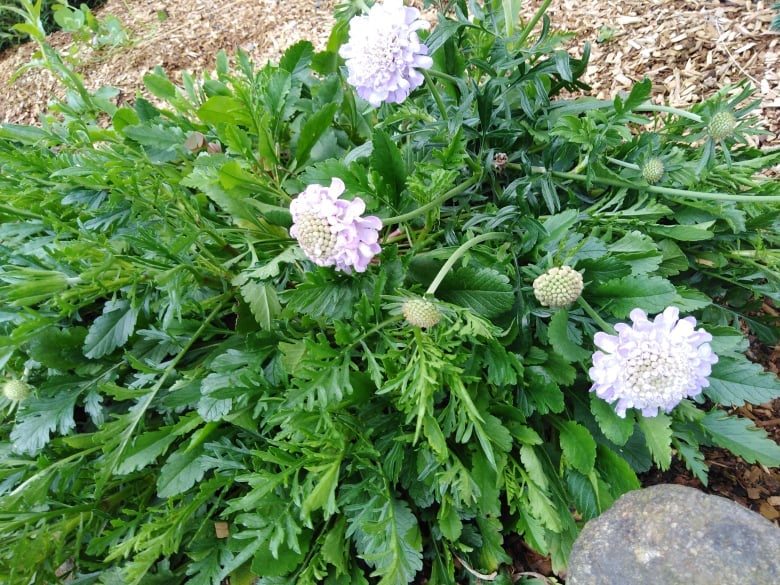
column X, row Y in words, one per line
column 558, row 287
column 721, row 125
column 653, row 170
column 16, row 390
column 421, row 313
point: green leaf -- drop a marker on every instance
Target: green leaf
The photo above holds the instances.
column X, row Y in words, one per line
column 616, row 429
column 59, row 349
column 147, row 447
column 616, row 472
column 223, row 109
column 658, row 436
column 387, row 162
column 323, row 495
column 579, row 448
column 111, row 330
column 388, row 538
column 566, row 340
column 263, row 302
column 313, row 129
column 39, row 417
column 652, row 294
column 683, row 233
column 734, row 382
column 741, row 437
column 180, row 472
column 485, row 291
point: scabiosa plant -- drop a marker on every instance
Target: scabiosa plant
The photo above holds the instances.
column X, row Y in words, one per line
column 384, row 53
column 332, row 231
column 652, row 365
column 558, row 287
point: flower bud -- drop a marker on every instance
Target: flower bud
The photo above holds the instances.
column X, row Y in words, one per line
column 721, row 125
column 653, row 170
column 16, row 390
column 421, row 313
column 558, row 287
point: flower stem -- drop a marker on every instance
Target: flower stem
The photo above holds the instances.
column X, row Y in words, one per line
column 670, row 191
column 606, row 327
column 436, row 96
column 459, row 252
column 622, row 163
column 532, row 23
column 457, row 190
column 648, row 107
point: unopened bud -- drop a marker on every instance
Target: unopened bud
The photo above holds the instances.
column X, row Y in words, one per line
column 722, row 125
column 16, row 390
column 653, row 170
column 421, row 313
column 558, row 287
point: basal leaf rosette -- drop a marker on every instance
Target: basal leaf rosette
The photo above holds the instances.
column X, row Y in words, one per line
column 384, row 53
column 652, row 365
column 331, row 231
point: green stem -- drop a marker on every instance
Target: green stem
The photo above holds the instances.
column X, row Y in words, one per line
column 532, row 23
column 436, row 96
column 459, row 252
column 606, row 327
column 670, row 191
column 622, row 163
column 669, row 110
column 431, row 204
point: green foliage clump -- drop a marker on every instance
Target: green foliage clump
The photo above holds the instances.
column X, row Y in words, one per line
column 204, row 402
column 10, row 17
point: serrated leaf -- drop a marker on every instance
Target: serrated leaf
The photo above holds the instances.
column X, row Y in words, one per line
column 179, row 473
column 616, row 472
column 313, row 129
column 733, row 382
column 616, row 429
column 742, row 438
column 485, row 291
column 652, row 294
column 658, row 436
column 578, row 446
column 391, row 543
column 387, row 162
column 222, row 109
column 566, row 341
column 110, row 330
column 39, row 417
column 263, row 302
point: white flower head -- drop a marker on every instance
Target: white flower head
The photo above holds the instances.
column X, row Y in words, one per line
column 384, row 53
column 331, row 231
column 652, row 365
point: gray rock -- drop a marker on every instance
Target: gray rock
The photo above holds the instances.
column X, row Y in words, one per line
column 676, row 535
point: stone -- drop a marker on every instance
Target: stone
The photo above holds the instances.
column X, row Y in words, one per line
column 675, row 535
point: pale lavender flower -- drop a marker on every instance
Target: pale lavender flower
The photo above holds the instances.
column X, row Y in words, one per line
column 652, row 365
column 331, row 231
column 384, row 53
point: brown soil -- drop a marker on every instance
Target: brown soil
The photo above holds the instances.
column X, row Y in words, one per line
column 688, row 48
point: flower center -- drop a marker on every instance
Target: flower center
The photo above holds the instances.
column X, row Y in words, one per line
column 658, row 370
column 383, row 51
column 316, row 236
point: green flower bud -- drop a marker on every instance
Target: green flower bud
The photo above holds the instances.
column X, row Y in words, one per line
column 421, row 313
column 722, row 125
column 16, row 390
column 558, row 287
column 653, row 170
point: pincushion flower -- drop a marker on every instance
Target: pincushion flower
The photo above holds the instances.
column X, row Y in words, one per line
column 652, row 365
column 332, row 231
column 384, row 53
